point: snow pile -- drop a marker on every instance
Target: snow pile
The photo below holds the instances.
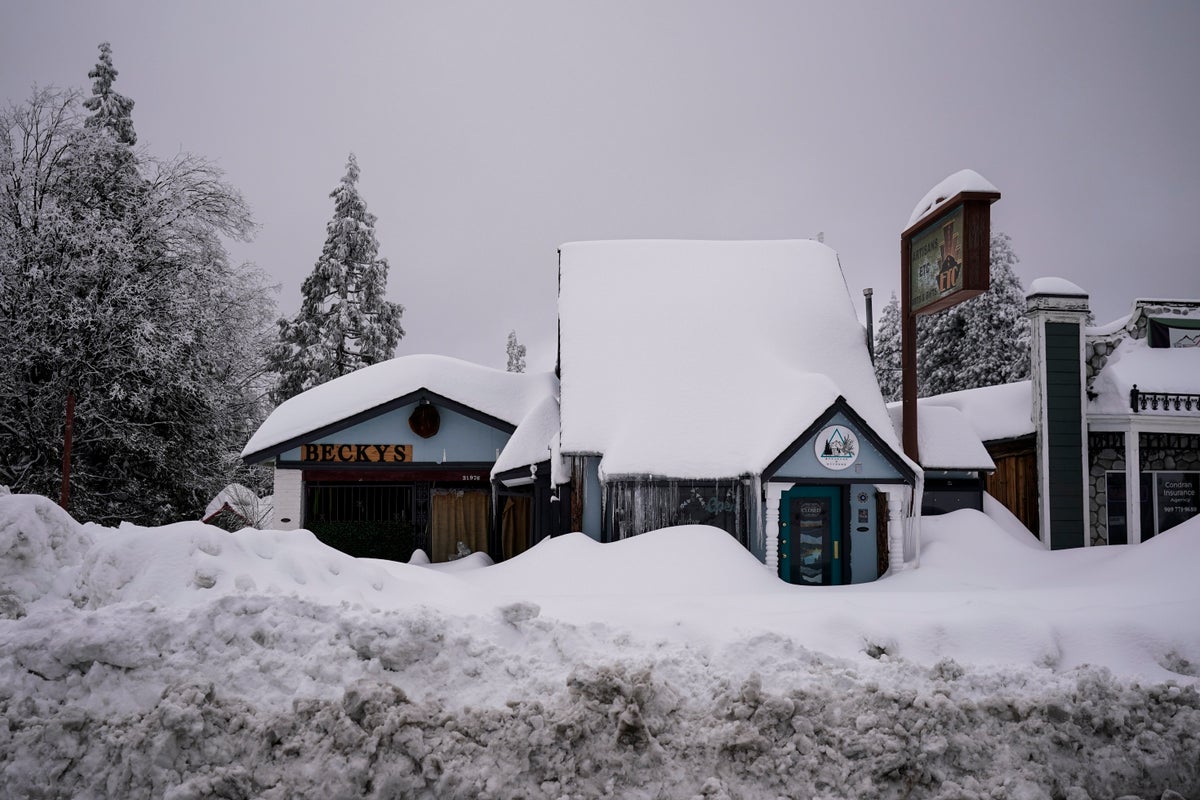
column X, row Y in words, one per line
column 670, row 665
column 41, row 549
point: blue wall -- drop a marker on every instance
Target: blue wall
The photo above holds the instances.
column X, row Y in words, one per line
column 461, row 438
column 870, row 466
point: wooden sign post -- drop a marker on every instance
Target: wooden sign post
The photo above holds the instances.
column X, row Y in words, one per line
column 944, row 260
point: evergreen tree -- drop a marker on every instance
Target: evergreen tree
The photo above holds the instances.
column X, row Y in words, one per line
column 115, row 286
column 516, row 353
column 109, row 109
column 887, row 350
column 344, row 322
column 981, row 342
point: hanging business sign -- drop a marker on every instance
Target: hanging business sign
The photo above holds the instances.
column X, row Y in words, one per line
column 356, row 453
column 836, row 447
column 946, row 256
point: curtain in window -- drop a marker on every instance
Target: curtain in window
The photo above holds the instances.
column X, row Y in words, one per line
column 457, row 516
column 514, row 525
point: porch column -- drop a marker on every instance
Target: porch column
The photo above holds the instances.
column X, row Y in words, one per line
column 774, row 494
column 1133, row 487
column 895, row 529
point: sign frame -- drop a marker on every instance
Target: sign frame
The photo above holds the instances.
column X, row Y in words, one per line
column 969, row 214
column 975, row 241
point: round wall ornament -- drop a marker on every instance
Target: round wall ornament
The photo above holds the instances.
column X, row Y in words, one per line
column 425, row 420
column 836, row 447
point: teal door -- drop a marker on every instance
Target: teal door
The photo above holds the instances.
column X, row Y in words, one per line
column 811, row 542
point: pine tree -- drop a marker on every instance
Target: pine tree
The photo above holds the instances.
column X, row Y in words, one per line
column 887, row 350
column 344, row 322
column 981, row 342
column 109, row 109
column 516, row 353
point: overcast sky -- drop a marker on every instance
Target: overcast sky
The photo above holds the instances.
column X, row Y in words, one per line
column 489, row 133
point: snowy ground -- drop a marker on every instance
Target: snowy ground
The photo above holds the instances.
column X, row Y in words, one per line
column 186, row 662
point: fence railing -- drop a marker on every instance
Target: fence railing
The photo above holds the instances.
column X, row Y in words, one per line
column 1165, row 401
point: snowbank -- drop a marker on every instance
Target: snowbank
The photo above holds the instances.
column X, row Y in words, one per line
column 188, row 662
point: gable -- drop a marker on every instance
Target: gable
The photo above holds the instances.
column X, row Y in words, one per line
column 820, row 452
column 460, row 438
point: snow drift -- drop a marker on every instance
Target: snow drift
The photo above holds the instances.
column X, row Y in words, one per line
column 188, row 662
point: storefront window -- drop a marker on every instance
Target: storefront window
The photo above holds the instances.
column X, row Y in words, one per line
column 644, row 506
column 1167, row 499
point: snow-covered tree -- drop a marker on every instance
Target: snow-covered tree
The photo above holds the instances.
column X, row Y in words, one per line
column 109, row 109
column 516, row 353
column 981, row 342
column 887, row 350
column 344, row 322
column 115, row 286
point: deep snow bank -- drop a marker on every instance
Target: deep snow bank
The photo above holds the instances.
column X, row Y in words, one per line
column 189, row 662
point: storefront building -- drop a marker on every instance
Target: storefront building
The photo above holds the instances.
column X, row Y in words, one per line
column 729, row 384
column 399, row 456
column 1102, row 445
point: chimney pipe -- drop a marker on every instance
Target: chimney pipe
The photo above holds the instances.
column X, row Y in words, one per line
column 870, row 325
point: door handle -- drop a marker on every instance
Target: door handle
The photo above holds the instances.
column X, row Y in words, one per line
column 835, row 549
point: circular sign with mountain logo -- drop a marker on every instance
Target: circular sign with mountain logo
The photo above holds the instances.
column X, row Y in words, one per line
column 836, row 447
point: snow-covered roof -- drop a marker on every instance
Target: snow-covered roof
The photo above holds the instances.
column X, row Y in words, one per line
column 507, row 396
column 535, row 441
column 697, row 359
column 945, row 439
column 965, row 180
column 993, row 412
column 1132, row 361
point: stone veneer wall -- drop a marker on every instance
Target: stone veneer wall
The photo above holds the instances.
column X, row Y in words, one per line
column 1170, row 451
column 1159, row 451
column 1106, row 452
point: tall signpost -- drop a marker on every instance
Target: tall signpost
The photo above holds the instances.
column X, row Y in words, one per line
column 944, row 260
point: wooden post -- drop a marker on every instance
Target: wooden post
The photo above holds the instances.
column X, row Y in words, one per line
column 65, row 496
column 908, row 356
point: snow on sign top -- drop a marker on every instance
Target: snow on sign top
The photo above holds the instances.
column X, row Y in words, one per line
column 965, row 180
column 695, row 359
column 508, row 396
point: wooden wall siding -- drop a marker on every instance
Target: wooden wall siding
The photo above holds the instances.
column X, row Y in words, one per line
column 1064, row 435
column 1014, row 483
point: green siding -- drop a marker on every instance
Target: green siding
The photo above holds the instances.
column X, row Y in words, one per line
column 1064, row 437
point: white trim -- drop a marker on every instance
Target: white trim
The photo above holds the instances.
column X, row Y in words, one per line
column 289, row 499
column 1133, row 488
column 774, row 497
column 1144, row 423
